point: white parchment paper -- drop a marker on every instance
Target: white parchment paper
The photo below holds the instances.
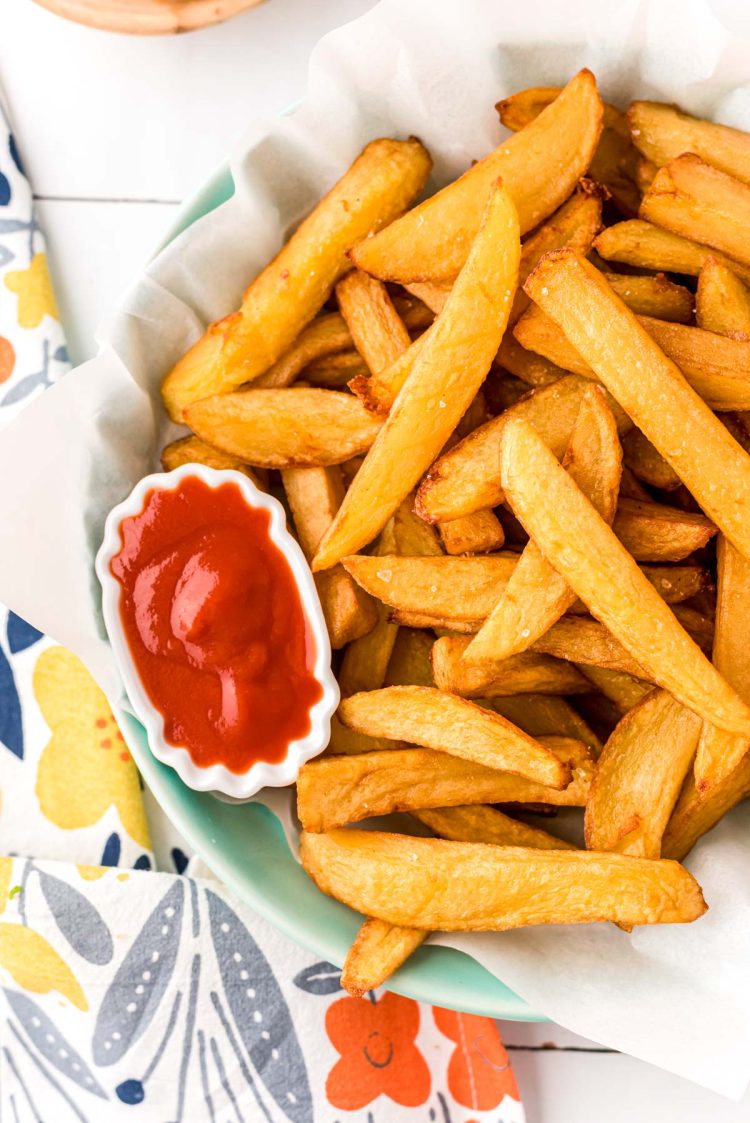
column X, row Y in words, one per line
column 678, row 996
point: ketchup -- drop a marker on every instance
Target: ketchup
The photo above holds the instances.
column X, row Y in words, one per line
column 215, row 625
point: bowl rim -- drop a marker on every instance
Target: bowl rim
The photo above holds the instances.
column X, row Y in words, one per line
column 218, row 778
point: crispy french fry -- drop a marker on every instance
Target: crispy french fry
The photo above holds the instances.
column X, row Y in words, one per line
column 425, row 716
column 465, row 479
column 531, row 368
column 657, row 533
column 677, row 583
column 526, row 673
column 579, row 639
column 719, row 753
column 192, row 450
column 366, row 659
column 615, row 160
column 335, row 790
column 379, row 333
column 639, row 776
column 657, row 296
column 655, row 395
column 410, row 659
column 326, row 336
column 535, row 596
column 477, row 533
column 586, row 552
column 433, row 293
column 645, row 170
column 632, row 488
column 441, row 625
column 646, row 463
column 469, row 886
column 722, row 301
column 376, row 954
column 647, row 246
column 478, row 823
column 285, row 296
column 414, row 538
column 348, row 741
column 334, row 372
column 695, row 199
column 287, row 428
column 539, row 167
column 622, row 689
column 314, row 495
column 543, row 715
column 663, row 132
column 443, row 381
column 698, row 812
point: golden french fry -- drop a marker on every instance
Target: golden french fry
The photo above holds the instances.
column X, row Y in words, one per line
column 615, row 161
column 696, row 200
column 477, row 533
column 376, row 954
column 478, row 823
column 647, row 246
column 722, row 301
column 657, row 533
column 348, row 741
column 586, row 552
column 335, row 790
column 639, row 776
column 655, row 394
column 192, row 450
column 432, row 293
column 379, row 333
column 624, row 690
column 326, row 336
column 646, row 463
column 657, row 296
column 427, row 717
column 314, row 495
column 287, row 428
column 676, row 583
column 366, row 659
column 443, row 381
column 433, row 585
column 332, row 373
column 526, row 673
column 533, row 369
column 645, row 171
column 414, row 538
column 535, row 596
column 718, row 753
column 546, row 715
column 699, row 625
column 663, row 132
column 579, row 639
column 466, row 479
column 470, row 886
column 696, row 812
column 632, row 488
column 285, row 296
column 539, row 167
column 410, row 660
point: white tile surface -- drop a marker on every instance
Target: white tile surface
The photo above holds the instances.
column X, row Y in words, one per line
column 115, row 131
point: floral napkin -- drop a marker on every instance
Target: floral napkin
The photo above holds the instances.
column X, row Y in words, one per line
column 155, row 996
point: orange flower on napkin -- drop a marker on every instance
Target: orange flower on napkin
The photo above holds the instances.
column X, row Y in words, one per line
column 479, row 1072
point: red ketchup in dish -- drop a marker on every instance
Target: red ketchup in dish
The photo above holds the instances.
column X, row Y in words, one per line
column 215, row 625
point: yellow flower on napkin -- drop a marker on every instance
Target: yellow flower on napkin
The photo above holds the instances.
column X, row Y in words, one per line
column 33, row 287
column 36, row 966
column 86, row 766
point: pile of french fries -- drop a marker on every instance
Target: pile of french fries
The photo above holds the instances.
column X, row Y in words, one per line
column 511, row 424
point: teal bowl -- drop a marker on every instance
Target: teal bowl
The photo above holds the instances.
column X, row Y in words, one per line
column 245, row 846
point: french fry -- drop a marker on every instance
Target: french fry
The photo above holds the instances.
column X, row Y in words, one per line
column 659, row 400
column 427, row 717
column 348, row 741
column 586, row 552
column 314, row 495
column 326, row 336
column 722, row 301
column 414, row 538
column 535, row 596
column 677, row 583
column 432, row 293
column 646, row 463
column 284, row 297
column 379, row 333
column 615, row 161
column 526, row 673
column 478, row 823
column 697, row 812
column 645, row 171
column 192, row 450
column 288, row 428
column 697, row 624
column 335, row 790
column 663, row 132
column 653, row 532
column 410, row 659
column 719, row 753
column 646, row 246
column 717, row 368
column 639, row 776
column 539, row 168
column 443, row 381
column 441, row 625
column 657, row 296
column 632, row 488
column 544, row 715
column 530, row 367
column 624, row 690
column 579, row 639
column 465, row 479
column 477, row 533
column 366, row 659
column 334, row 372
column 695, row 199
column 468, row 886
column 376, row 954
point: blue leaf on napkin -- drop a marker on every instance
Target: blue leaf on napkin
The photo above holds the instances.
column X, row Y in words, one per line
column 78, row 920
column 23, row 388
column 20, row 634
column 11, row 725
column 142, row 862
column 260, row 1012
column 111, row 851
column 13, row 225
column 319, row 978
column 61, row 355
column 13, row 149
column 6, row 255
column 5, row 191
column 141, row 980
column 179, row 859
column 47, row 1038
